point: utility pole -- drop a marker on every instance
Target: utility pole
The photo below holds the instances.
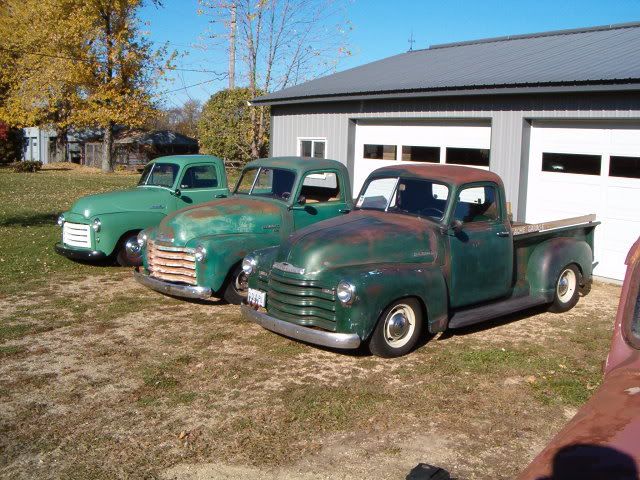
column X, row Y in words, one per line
column 411, row 42
column 232, row 46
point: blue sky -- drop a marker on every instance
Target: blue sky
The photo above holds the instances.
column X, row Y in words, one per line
column 381, row 28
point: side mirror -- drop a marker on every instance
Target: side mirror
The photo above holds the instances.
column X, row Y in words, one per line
column 176, row 192
column 456, row 226
column 299, row 205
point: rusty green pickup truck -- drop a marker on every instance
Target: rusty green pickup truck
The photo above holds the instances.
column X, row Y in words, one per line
column 197, row 252
column 428, row 247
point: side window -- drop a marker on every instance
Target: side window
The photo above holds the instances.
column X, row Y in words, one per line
column 477, row 204
column 200, row 176
column 321, row 187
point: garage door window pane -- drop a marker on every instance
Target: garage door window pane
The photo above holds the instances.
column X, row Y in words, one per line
column 478, row 157
column 421, row 154
column 571, row 163
column 628, row 167
column 379, row 152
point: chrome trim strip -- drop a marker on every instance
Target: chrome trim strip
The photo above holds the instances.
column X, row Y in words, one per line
column 310, row 335
column 287, row 267
column 175, row 290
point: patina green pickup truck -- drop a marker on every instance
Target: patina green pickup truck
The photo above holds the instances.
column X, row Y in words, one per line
column 100, row 226
column 197, row 252
column 429, row 247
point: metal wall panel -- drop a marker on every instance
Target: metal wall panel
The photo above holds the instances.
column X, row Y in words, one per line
column 509, row 116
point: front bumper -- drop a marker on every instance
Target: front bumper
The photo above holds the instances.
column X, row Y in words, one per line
column 173, row 289
column 344, row 341
column 77, row 254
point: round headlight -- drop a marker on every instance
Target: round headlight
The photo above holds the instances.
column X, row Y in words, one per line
column 345, row 292
column 142, row 239
column 61, row 220
column 96, row 225
column 249, row 264
column 200, row 253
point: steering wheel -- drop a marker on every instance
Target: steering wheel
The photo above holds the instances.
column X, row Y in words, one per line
column 438, row 212
column 285, row 195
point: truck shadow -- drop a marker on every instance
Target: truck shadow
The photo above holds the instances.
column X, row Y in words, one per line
column 30, row 220
column 496, row 322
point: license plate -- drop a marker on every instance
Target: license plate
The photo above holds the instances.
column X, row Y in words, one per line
column 257, row 297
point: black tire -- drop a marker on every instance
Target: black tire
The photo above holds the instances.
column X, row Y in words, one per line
column 235, row 290
column 123, row 257
column 382, row 342
column 567, row 290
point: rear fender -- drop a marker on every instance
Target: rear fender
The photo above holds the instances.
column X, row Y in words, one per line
column 550, row 257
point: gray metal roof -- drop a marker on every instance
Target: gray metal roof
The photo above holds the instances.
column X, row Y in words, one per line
column 596, row 58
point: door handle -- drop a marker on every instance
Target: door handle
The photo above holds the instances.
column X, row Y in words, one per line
column 344, row 210
column 502, row 234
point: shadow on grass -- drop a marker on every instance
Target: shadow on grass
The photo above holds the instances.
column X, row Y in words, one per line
column 496, row 322
column 30, row 220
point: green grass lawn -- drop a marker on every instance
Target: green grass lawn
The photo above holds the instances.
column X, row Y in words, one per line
column 29, row 206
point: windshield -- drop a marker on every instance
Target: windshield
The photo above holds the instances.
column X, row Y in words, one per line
column 266, row 182
column 159, row 175
column 412, row 196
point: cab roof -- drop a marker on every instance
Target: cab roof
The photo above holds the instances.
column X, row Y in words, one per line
column 299, row 164
column 449, row 174
column 183, row 160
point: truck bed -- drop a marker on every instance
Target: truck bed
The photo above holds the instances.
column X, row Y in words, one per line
column 528, row 230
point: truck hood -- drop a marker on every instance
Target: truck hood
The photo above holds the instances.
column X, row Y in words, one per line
column 130, row 200
column 362, row 237
column 237, row 214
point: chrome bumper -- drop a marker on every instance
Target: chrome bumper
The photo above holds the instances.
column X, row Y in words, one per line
column 306, row 334
column 173, row 289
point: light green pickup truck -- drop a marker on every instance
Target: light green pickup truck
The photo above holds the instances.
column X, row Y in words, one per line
column 100, row 226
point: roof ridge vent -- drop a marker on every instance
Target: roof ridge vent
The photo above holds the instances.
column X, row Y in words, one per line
column 550, row 33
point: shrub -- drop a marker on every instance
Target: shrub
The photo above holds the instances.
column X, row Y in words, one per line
column 11, row 140
column 27, row 166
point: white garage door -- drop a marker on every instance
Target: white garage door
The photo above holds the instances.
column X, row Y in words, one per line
column 577, row 170
column 378, row 145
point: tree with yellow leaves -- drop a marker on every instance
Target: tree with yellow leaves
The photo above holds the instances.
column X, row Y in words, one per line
column 80, row 63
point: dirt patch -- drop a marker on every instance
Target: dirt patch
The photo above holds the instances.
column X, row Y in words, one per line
column 101, row 378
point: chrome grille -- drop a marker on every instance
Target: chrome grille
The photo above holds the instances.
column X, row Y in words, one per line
column 301, row 301
column 76, row 235
column 173, row 264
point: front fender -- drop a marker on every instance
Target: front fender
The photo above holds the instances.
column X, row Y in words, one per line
column 224, row 252
column 550, row 257
column 378, row 286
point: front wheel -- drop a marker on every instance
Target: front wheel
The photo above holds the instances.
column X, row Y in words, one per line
column 567, row 290
column 237, row 286
column 398, row 329
column 126, row 256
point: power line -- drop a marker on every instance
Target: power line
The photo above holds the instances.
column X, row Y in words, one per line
column 190, row 86
column 78, row 59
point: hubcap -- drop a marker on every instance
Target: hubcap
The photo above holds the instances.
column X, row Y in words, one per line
column 566, row 285
column 399, row 326
column 241, row 283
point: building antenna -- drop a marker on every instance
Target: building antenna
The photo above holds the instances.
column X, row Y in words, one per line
column 411, row 41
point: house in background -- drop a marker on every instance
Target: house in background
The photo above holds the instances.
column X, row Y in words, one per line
column 85, row 146
column 138, row 148
column 555, row 114
column 40, row 146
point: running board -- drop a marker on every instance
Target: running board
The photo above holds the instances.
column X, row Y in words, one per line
column 463, row 318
